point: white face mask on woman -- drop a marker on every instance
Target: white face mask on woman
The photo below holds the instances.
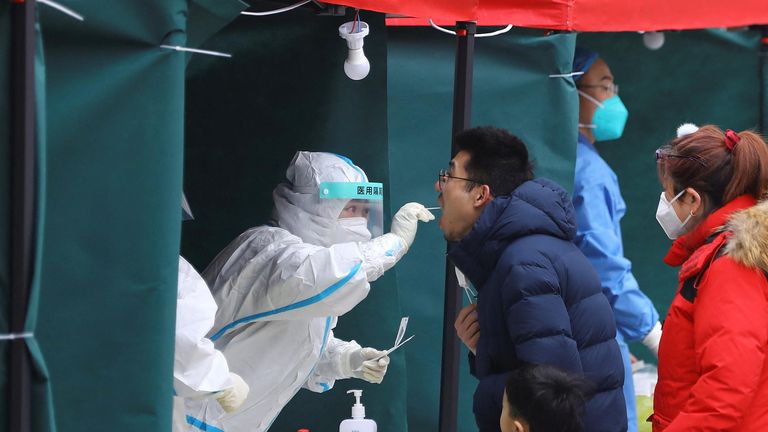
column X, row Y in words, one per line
column 667, row 218
column 353, row 229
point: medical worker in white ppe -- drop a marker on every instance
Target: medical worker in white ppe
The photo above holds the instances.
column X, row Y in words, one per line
column 280, row 288
column 200, row 371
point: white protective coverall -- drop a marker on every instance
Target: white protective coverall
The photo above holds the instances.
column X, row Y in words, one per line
column 199, row 369
column 281, row 288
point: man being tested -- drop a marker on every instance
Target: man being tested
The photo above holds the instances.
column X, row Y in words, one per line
column 539, row 300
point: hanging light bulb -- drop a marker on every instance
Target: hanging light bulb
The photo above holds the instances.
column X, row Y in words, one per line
column 653, row 40
column 356, row 66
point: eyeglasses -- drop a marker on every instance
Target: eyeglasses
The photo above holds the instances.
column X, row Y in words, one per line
column 444, row 175
column 661, row 154
column 612, row 89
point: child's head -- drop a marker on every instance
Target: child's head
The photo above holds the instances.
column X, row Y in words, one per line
column 542, row 398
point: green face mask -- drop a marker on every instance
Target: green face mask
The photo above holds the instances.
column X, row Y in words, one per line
column 609, row 119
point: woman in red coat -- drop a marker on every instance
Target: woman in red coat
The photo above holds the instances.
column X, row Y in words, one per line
column 713, row 357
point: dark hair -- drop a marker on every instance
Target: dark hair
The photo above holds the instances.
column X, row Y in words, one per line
column 497, row 158
column 548, row 398
column 702, row 161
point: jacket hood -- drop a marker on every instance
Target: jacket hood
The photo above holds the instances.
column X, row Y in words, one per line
column 749, row 243
column 537, row 206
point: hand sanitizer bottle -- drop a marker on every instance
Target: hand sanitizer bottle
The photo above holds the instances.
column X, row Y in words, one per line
column 358, row 422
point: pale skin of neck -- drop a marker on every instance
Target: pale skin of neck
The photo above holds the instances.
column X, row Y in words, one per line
column 587, row 132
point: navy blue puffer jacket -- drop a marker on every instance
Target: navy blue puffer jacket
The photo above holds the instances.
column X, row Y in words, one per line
column 539, row 302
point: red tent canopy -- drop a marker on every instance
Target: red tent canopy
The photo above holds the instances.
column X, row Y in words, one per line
column 581, row 15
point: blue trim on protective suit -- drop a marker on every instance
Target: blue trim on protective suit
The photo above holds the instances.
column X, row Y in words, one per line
column 203, row 426
column 325, row 386
column 314, row 299
column 352, row 164
column 322, row 347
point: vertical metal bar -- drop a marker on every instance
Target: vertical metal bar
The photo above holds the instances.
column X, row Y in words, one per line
column 462, row 108
column 763, row 79
column 462, row 84
column 23, row 197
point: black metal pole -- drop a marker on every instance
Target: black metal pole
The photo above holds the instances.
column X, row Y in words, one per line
column 462, row 108
column 763, row 79
column 23, row 197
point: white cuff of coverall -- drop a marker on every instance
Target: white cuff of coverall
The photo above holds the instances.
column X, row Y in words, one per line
column 652, row 339
column 381, row 254
column 343, row 359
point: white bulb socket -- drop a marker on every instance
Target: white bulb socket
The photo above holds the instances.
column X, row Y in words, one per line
column 356, row 66
column 653, row 40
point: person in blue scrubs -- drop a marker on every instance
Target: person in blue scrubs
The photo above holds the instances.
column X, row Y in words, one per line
column 599, row 209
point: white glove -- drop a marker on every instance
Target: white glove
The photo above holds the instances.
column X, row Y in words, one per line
column 405, row 221
column 652, row 339
column 360, row 363
column 231, row 398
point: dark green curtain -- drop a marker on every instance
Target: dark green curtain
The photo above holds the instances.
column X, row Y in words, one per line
column 512, row 89
column 285, row 90
column 41, row 404
column 707, row 76
column 5, row 191
column 111, row 235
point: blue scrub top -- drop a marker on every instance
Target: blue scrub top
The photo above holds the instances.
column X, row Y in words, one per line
column 599, row 209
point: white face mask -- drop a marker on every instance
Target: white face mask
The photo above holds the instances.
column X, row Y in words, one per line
column 354, row 229
column 667, row 217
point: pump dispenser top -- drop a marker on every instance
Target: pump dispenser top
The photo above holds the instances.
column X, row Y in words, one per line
column 358, row 410
column 358, row 422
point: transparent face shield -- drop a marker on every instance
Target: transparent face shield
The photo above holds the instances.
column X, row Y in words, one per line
column 362, row 209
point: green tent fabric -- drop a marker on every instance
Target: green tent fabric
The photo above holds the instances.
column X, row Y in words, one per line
column 5, row 191
column 41, row 403
column 697, row 76
column 42, row 397
column 111, row 237
column 111, row 129
column 206, row 17
column 285, row 90
column 512, row 89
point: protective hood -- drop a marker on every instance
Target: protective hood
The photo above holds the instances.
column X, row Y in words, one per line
column 298, row 206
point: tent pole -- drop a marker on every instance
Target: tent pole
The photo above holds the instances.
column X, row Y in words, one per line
column 763, row 79
column 462, row 106
column 22, row 198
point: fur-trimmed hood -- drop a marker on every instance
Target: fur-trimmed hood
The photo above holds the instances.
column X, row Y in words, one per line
column 749, row 243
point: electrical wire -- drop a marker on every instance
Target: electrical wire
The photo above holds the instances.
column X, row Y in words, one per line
column 478, row 35
column 277, row 11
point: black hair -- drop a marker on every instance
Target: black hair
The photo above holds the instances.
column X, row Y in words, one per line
column 497, row 159
column 548, row 398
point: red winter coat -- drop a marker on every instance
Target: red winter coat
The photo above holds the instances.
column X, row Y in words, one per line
column 713, row 357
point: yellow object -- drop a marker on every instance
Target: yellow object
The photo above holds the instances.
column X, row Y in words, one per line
column 644, row 410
